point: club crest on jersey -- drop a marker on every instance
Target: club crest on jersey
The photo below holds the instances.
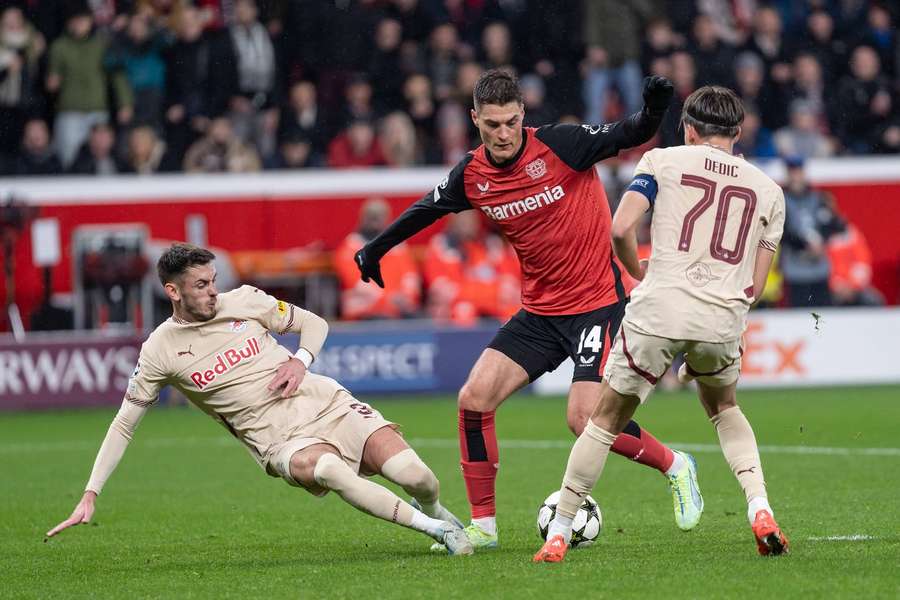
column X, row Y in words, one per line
column 536, row 168
column 225, row 361
column 238, row 326
column 699, row 274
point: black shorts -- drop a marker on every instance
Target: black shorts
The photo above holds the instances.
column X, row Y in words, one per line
column 540, row 343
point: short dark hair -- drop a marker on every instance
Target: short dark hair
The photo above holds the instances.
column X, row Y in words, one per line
column 713, row 110
column 496, row 86
column 178, row 258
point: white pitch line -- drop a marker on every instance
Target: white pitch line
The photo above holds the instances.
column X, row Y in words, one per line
column 699, row 448
column 857, row 537
column 170, row 442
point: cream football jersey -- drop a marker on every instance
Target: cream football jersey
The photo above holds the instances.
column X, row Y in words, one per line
column 711, row 212
column 224, row 366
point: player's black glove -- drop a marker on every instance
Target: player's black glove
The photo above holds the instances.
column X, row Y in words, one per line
column 368, row 267
column 658, row 92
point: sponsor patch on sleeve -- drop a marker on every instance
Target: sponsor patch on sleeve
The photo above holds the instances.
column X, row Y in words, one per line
column 282, row 307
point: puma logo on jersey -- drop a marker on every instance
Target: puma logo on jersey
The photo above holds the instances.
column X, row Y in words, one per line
column 520, row 207
column 188, row 351
column 225, row 361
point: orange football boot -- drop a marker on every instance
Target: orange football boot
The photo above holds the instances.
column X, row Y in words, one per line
column 553, row 550
column 769, row 539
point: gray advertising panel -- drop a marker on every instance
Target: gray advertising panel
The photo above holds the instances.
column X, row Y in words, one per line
column 51, row 371
column 65, row 371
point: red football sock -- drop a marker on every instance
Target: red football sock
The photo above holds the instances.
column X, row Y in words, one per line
column 638, row 445
column 479, row 460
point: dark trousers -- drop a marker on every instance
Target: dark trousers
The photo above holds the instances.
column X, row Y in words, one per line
column 815, row 293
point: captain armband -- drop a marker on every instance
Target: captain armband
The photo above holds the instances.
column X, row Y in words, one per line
column 645, row 185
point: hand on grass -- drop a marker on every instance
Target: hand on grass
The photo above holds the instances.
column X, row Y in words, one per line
column 81, row 515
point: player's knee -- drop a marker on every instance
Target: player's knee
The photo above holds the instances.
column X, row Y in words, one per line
column 302, row 466
column 422, row 482
column 576, row 421
column 473, row 396
column 329, row 471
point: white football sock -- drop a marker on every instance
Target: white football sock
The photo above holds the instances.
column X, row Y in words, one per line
column 433, row 527
column 678, row 463
column 487, row 524
column 757, row 504
column 561, row 525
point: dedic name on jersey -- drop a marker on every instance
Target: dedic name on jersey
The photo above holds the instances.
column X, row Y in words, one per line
column 225, row 361
column 520, row 207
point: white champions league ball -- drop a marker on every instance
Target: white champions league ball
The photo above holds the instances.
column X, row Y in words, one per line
column 586, row 526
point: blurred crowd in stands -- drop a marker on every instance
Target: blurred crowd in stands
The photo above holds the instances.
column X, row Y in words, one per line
column 145, row 86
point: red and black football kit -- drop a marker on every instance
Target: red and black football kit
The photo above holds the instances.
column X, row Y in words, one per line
column 550, row 204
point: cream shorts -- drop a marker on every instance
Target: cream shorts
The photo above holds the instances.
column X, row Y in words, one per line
column 638, row 361
column 346, row 424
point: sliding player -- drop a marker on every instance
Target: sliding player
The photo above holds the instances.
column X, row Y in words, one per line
column 717, row 221
column 302, row 427
column 541, row 189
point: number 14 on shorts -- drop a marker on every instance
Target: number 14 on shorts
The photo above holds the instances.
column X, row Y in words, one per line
column 592, row 339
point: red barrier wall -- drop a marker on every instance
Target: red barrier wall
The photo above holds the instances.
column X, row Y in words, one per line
column 875, row 209
column 247, row 224
column 279, row 222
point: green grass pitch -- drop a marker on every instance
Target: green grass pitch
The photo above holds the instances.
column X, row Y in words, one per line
column 188, row 513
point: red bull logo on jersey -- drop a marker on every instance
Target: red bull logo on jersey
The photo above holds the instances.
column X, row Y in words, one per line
column 520, row 207
column 225, row 361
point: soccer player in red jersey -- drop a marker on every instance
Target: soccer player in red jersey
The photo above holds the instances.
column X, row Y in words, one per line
column 540, row 186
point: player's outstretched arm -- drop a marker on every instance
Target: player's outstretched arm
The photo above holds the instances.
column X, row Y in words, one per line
column 582, row 146
column 117, row 438
column 628, row 214
column 657, row 94
column 448, row 197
